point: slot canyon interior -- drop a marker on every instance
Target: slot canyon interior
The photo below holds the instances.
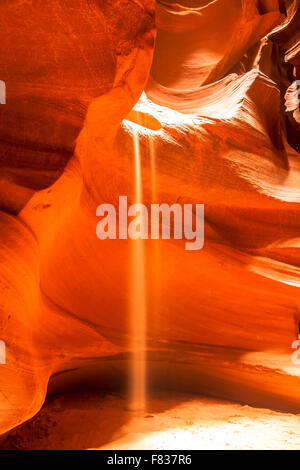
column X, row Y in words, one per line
column 126, row 344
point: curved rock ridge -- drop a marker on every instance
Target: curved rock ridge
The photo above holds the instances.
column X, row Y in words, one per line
column 287, row 37
column 262, row 35
column 192, row 59
column 57, row 57
column 211, row 129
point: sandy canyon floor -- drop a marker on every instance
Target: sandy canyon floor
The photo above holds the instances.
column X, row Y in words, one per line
column 92, row 420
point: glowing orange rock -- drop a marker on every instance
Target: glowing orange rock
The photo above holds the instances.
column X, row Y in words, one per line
column 208, row 134
column 58, row 59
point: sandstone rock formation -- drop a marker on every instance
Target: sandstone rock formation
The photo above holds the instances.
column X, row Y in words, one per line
column 212, row 128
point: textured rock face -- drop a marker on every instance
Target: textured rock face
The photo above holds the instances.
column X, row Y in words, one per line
column 228, row 30
column 212, row 128
column 57, row 57
column 287, row 38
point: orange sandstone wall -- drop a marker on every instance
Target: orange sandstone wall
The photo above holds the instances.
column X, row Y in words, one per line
column 217, row 124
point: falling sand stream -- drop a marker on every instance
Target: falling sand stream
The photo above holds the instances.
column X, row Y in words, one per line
column 138, row 290
column 138, row 309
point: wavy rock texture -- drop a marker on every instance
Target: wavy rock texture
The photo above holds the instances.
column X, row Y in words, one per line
column 212, row 128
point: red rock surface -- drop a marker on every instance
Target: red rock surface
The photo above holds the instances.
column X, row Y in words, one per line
column 214, row 111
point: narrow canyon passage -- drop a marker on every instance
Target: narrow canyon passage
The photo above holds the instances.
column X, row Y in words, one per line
column 165, row 103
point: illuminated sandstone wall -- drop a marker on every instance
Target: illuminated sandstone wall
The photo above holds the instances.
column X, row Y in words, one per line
column 218, row 124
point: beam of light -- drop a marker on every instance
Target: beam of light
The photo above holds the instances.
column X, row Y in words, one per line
column 138, row 310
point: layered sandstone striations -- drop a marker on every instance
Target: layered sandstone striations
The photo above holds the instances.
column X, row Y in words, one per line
column 212, row 128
